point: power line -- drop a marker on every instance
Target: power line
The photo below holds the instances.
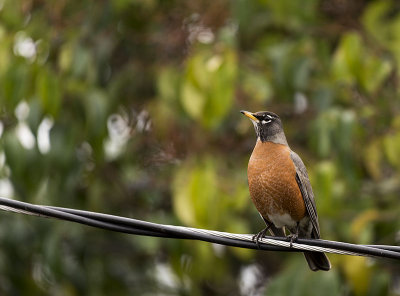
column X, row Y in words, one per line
column 139, row 227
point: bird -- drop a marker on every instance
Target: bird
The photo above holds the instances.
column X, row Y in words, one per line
column 280, row 188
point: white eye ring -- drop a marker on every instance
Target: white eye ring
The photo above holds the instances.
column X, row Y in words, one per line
column 269, row 116
column 264, row 121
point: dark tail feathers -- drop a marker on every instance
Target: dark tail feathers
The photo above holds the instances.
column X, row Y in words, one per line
column 317, row 261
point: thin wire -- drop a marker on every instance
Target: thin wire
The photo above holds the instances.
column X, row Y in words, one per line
column 139, row 227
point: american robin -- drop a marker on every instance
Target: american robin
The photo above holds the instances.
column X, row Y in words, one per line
column 280, row 188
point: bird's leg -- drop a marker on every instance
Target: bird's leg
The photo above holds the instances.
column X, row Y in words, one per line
column 293, row 236
column 256, row 238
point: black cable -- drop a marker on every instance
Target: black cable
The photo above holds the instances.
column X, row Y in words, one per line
column 139, row 227
column 375, row 250
column 386, row 247
column 121, row 225
column 53, row 213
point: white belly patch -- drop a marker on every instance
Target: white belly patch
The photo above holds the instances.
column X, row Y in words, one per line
column 282, row 220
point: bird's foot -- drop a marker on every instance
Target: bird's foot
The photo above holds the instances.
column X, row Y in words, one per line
column 256, row 238
column 292, row 237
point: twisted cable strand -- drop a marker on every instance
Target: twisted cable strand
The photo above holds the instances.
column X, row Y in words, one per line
column 139, row 227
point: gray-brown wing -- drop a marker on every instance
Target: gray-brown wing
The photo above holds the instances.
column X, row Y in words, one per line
column 305, row 187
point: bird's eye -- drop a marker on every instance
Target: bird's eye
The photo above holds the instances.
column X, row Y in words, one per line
column 266, row 121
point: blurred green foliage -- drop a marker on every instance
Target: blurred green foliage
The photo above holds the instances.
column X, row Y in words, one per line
column 131, row 108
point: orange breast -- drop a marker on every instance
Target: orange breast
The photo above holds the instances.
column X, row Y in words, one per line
column 272, row 182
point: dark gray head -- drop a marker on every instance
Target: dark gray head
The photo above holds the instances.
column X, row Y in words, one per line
column 268, row 126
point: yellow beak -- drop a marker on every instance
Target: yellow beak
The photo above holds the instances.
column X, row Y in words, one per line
column 249, row 115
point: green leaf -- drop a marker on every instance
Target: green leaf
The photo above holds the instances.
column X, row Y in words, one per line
column 5, row 55
column 376, row 70
column 204, row 197
column 96, row 105
column 359, row 273
column 354, row 63
column 391, row 145
column 168, row 84
column 377, row 23
column 49, row 92
column 195, row 194
column 373, row 159
column 193, row 100
column 347, row 59
column 297, row 280
column 292, row 14
column 15, row 84
column 383, row 25
column 208, row 86
column 323, row 180
column 66, row 57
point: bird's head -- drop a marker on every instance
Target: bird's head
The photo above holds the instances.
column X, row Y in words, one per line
column 268, row 126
